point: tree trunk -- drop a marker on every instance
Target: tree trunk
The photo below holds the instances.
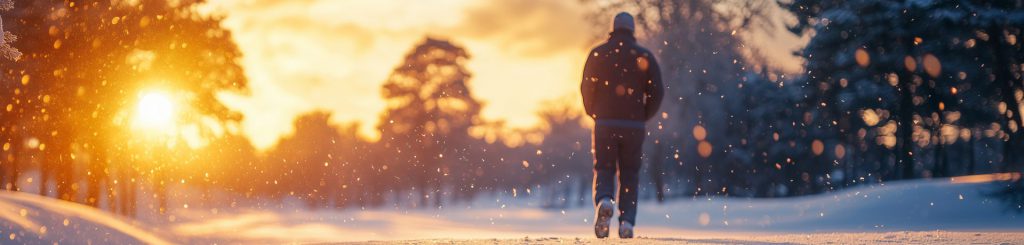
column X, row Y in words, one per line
column 905, row 130
column 905, row 145
column 971, row 163
column 160, row 190
column 939, row 167
column 45, row 171
column 13, row 164
column 127, row 188
column 131, row 197
column 97, row 176
column 12, row 170
column 566, row 195
column 61, row 168
column 885, row 169
column 584, row 187
column 698, row 181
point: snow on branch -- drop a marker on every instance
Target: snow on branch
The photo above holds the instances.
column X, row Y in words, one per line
column 6, row 50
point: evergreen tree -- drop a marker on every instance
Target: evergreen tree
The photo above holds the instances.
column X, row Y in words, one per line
column 85, row 63
column 563, row 160
column 308, row 162
column 915, row 76
column 429, row 113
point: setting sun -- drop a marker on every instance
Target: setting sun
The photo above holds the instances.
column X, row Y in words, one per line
column 155, row 110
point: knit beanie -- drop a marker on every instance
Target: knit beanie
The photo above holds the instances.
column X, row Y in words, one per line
column 623, row 20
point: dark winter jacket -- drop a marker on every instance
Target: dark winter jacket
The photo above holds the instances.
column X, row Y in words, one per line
column 621, row 82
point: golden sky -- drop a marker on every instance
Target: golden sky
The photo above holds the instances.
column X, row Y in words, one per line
column 305, row 55
column 333, row 55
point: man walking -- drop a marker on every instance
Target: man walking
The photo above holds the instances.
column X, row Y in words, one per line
column 621, row 90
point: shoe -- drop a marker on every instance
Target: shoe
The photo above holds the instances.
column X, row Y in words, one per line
column 626, row 230
column 603, row 217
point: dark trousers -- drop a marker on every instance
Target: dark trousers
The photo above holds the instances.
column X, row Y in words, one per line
column 617, row 153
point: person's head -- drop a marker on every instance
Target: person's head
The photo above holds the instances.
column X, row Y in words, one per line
column 623, row 21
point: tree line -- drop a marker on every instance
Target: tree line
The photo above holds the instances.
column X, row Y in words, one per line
column 890, row 90
column 69, row 99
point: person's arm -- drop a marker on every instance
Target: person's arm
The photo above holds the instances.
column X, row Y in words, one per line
column 655, row 89
column 587, row 85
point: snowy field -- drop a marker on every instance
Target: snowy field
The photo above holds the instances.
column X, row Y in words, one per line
column 821, row 238
column 954, row 211
column 920, row 237
column 31, row 219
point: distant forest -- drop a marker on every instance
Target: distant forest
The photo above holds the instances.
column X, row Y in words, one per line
column 890, row 90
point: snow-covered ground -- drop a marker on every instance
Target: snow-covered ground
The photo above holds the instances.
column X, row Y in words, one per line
column 958, row 204
column 32, row 219
column 957, row 210
column 917, row 237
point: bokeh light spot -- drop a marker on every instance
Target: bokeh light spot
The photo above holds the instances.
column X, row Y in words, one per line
column 932, row 66
column 704, row 149
column 862, row 56
column 699, row 133
column 817, row 147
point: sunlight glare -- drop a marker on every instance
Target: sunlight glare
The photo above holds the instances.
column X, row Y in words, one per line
column 155, row 110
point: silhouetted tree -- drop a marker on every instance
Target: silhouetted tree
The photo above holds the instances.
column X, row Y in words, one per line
column 103, row 53
column 430, row 110
column 307, row 163
column 10, row 130
column 563, row 159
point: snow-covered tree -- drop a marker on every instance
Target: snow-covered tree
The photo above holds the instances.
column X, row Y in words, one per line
column 777, row 146
column 6, row 38
column 915, row 77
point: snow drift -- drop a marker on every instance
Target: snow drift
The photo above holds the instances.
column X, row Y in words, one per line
column 31, row 219
column 961, row 204
column 951, row 204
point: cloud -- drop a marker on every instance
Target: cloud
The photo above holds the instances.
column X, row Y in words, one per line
column 532, row 28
